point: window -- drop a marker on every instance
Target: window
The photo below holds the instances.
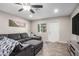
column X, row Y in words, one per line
column 42, row 27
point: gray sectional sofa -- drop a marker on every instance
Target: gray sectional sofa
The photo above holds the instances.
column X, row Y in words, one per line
column 30, row 45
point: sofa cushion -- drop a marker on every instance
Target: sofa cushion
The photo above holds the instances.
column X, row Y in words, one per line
column 33, row 42
column 24, row 35
column 36, row 38
column 1, row 37
column 23, row 40
column 14, row 36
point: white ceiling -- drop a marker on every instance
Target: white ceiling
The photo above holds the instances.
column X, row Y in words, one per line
column 65, row 9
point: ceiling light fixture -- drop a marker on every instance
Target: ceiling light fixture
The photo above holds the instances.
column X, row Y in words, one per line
column 26, row 8
column 56, row 10
column 30, row 15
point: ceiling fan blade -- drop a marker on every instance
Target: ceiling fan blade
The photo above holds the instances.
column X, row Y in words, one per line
column 32, row 11
column 20, row 9
column 18, row 3
column 37, row 6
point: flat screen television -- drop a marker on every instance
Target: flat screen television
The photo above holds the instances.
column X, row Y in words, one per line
column 75, row 24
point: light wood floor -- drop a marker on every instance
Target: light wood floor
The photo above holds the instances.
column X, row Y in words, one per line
column 54, row 49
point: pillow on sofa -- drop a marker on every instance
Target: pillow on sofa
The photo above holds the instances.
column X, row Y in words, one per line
column 24, row 35
column 7, row 45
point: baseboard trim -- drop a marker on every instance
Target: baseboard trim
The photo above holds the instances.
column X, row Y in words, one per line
column 57, row 41
column 61, row 42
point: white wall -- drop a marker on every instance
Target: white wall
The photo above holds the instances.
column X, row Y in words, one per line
column 4, row 24
column 64, row 28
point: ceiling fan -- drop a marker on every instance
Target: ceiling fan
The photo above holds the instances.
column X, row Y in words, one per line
column 29, row 7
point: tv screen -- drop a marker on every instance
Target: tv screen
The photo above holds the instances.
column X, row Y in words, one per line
column 75, row 24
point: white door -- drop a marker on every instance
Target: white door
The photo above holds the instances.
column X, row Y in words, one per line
column 53, row 32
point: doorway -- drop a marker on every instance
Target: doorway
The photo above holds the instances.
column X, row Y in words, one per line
column 53, row 32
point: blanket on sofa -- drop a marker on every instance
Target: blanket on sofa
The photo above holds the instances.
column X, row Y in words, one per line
column 7, row 45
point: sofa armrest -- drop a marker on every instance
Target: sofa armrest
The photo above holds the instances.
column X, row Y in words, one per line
column 24, row 51
column 24, row 46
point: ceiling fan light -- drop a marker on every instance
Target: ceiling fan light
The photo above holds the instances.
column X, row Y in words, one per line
column 56, row 10
column 26, row 8
column 30, row 15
